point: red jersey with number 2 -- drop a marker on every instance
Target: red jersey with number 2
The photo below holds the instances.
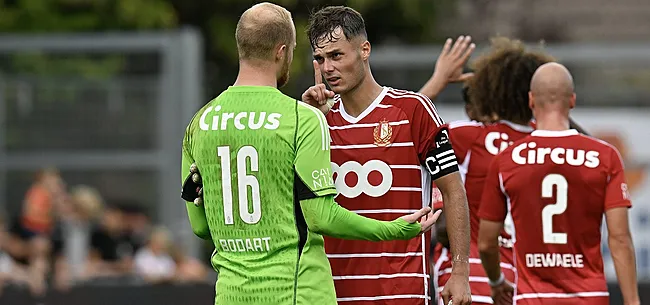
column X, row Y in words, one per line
column 557, row 185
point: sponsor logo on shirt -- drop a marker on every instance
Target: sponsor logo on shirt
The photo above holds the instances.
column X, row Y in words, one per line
column 363, row 185
column 441, row 160
column 491, row 140
column 442, row 138
column 529, row 153
column 626, row 192
column 239, row 121
column 322, row 178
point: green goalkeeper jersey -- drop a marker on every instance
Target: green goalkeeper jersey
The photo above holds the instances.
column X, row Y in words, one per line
column 259, row 153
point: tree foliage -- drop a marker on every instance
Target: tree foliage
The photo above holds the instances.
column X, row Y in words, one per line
column 58, row 16
column 85, row 15
column 388, row 21
column 410, row 21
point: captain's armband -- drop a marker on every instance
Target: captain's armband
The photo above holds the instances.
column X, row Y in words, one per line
column 441, row 160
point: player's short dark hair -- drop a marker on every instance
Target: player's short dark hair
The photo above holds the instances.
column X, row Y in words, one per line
column 502, row 80
column 257, row 37
column 325, row 21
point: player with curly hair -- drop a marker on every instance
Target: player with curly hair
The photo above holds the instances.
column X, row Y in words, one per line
column 497, row 99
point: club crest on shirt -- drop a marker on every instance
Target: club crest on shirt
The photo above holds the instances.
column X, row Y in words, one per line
column 383, row 133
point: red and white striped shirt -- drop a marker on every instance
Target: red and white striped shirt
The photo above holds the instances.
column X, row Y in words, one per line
column 377, row 161
column 475, row 145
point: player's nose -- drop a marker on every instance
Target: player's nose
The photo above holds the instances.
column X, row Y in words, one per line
column 328, row 66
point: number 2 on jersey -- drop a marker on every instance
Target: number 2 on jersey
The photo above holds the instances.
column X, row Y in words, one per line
column 244, row 180
column 557, row 208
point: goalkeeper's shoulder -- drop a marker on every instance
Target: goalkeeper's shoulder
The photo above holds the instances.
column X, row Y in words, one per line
column 192, row 126
column 310, row 116
column 312, row 124
column 196, row 119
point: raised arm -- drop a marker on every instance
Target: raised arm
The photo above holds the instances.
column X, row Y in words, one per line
column 449, row 66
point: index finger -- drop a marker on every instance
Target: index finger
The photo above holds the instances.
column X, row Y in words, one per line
column 430, row 220
column 422, row 212
column 318, row 78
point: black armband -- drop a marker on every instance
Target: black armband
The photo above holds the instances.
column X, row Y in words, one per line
column 441, row 160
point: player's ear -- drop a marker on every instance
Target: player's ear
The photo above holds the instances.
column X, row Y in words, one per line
column 281, row 52
column 531, row 102
column 365, row 50
column 572, row 101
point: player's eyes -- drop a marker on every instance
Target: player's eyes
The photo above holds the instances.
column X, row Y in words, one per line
column 320, row 60
column 336, row 55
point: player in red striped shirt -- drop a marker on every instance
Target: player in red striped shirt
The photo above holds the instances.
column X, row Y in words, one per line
column 557, row 184
column 387, row 146
column 499, row 116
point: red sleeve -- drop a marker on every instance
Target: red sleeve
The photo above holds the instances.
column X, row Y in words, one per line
column 616, row 192
column 428, row 125
column 493, row 201
column 462, row 135
column 433, row 145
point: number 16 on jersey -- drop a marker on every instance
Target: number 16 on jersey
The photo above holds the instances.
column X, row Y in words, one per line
column 244, row 180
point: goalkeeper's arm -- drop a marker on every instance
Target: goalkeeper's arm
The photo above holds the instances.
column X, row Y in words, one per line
column 326, row 217
column 315, row 190
column 196, row 213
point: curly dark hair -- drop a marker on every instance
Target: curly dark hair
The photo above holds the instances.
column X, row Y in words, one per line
column 499, row 88
column 324, row 22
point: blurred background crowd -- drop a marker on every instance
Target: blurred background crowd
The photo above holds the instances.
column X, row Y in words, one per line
column 95, row 96
column 69, row 235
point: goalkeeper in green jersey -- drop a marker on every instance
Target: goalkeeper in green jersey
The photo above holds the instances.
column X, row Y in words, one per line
column 265, row 194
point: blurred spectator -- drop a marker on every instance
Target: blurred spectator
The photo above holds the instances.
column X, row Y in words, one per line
column 28, row 242
column 154, row 262
column 72, row 235
column 38, row 214
column 43, row 197
column 12, row 273
column 188, row 269
column 111, row 254
column 138, row 224
column 6, row 262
